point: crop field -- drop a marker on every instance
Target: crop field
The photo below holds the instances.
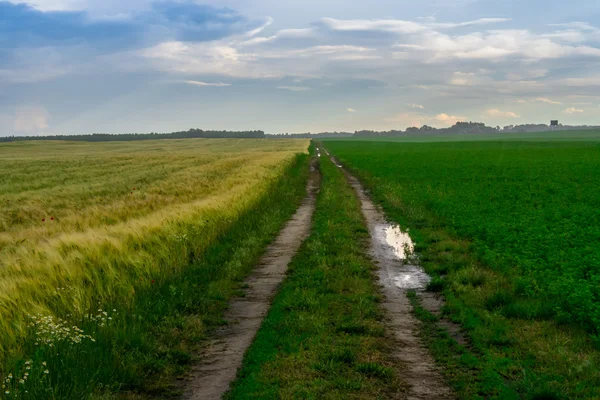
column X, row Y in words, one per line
column 91, row 234
column 510, row 232
column 124, row 266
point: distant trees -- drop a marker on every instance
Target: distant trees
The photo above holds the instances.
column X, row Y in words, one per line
column 106, row 137
column 309, row 135
column 469, row 128
column 458, row 128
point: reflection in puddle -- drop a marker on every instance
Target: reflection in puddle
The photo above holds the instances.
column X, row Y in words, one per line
column 399, row 246
column 400, row 241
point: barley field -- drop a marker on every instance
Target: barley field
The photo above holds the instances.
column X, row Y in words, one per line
column 85, row 223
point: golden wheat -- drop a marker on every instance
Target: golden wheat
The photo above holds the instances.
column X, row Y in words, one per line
column 103, row 219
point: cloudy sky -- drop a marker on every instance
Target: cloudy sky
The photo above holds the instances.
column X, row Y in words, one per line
column 82, row 66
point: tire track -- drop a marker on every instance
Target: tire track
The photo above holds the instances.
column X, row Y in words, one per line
column 211, row 378
column 396, row 275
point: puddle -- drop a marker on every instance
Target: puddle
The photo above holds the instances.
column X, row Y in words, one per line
column 404, row 271
column 412, row 277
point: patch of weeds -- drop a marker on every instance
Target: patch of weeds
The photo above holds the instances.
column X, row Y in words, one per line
column 375, row 370
column 471, row 276
column 500, row 298
column 436, row 284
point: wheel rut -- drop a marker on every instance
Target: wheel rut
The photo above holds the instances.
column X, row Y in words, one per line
column 211, row 378
column 399, row 272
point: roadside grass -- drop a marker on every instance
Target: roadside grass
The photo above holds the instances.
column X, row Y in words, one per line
column 324, row 337
column 136, row 348
column 506, row 231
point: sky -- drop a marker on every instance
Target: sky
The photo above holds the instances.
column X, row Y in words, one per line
column 114, row 66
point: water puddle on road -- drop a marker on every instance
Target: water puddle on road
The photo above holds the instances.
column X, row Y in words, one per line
column 406, row 274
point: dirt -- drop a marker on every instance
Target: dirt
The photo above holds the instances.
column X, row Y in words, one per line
column 211, row 378
column 398, row 272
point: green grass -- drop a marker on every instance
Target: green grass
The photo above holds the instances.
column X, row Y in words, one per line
column 513, row 228
column 323, row 337
column 151, row 340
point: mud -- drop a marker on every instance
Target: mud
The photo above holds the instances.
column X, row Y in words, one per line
column 391, row 249
column 211, row 378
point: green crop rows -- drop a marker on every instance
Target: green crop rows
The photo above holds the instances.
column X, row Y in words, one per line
column 513, row 228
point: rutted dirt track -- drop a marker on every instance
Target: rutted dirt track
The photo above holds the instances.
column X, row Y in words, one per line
column 222, row 358
column 418, row 367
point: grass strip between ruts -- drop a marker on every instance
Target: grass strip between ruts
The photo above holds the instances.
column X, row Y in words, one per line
column 324, row 335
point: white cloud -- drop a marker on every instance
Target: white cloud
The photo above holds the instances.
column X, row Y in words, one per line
column 282, row 35
column 525, row 75
column 351, row 110
column 416, row 119
column 584, row 26
column 548, row 101
column 480, row 21
column 408, row 119
column 573, row 110
column 30, row 119
column 459, row 82
column 463, row 78
column 294, row 88
column 382, row 25
column 261, row 28
column 494, row 112
column 398, row 26
column 449, row 120
column 198, row 83
column 581, row 82
column 412, row 105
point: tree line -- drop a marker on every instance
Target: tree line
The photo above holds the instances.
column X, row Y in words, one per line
column 107, row 137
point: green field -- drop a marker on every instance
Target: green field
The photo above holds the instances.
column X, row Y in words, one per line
column 513, row 228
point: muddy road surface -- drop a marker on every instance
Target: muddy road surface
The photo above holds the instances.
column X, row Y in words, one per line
column 399, row 271
column 210, row 379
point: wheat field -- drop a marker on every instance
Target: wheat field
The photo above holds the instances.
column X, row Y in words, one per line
column 81, row 223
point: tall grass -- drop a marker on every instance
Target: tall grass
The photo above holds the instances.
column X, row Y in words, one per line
column 76, row 235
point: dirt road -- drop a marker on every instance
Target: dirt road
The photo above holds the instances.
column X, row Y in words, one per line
column 221, row 360
column 398, row 272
